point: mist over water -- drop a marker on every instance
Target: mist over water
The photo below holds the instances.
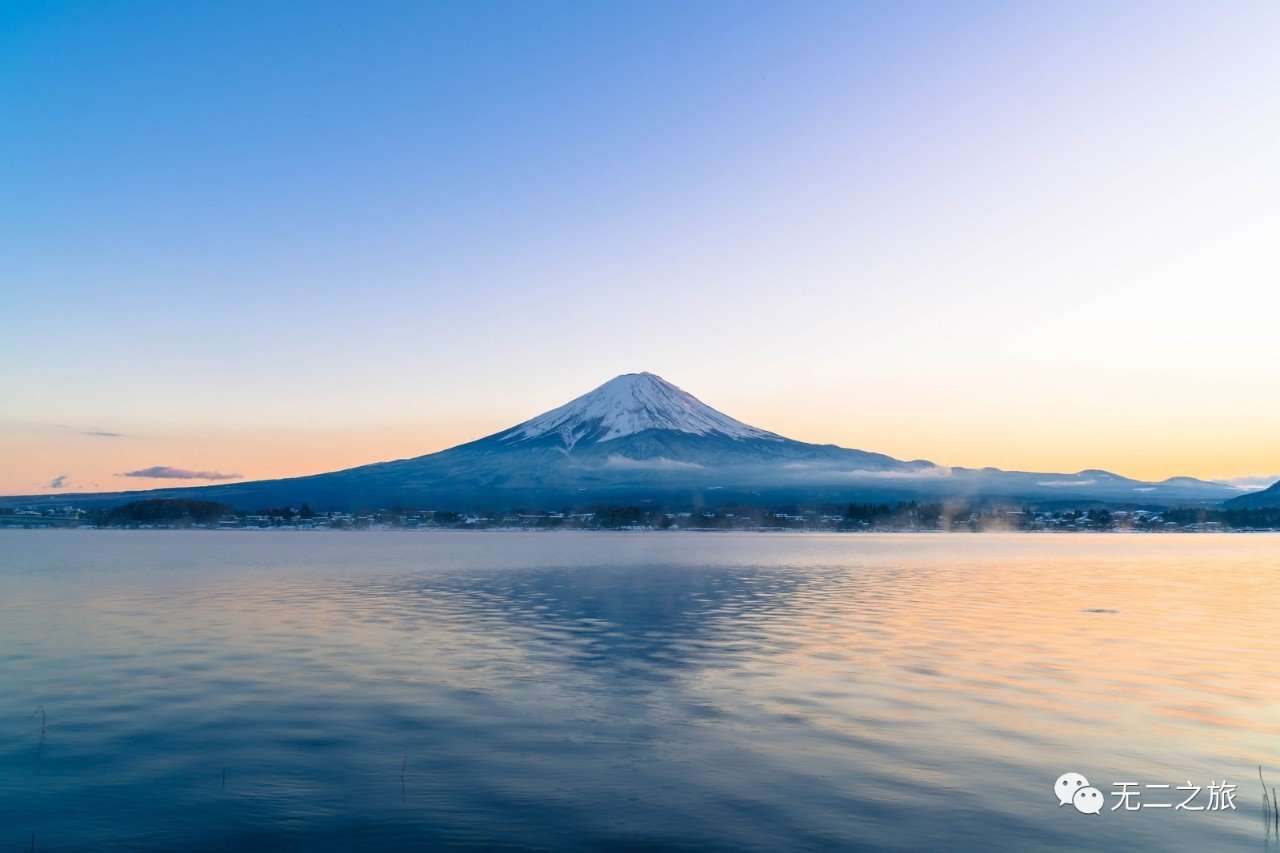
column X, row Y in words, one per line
column 384, row 691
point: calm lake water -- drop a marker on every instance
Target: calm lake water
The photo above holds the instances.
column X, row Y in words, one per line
column 246, row 690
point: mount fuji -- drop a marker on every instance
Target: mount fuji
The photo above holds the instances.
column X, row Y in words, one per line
column 639, row 438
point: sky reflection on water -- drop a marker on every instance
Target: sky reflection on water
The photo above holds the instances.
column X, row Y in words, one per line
column 590, row 691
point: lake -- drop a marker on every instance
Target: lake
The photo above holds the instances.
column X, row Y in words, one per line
column 242, row 690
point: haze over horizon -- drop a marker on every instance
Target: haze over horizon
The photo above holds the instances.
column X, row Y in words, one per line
column 248, row 242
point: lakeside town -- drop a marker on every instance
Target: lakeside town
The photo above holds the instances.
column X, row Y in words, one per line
column 170, row 514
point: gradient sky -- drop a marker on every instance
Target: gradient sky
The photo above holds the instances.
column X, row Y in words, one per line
column 271, row 239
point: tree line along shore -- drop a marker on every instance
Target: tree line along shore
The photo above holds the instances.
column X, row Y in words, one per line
column 171, row 513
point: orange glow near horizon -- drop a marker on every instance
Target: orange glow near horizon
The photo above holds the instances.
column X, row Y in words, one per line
column 1059, row 255
column 1022, row 440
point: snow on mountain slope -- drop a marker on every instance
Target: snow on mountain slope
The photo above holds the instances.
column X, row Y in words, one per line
column 639, row 438
column 629, row 404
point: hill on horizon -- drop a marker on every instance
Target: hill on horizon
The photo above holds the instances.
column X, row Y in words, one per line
column 1268, row 497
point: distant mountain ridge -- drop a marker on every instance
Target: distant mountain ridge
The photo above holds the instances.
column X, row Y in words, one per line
column 1268, row 497
column 640, row 439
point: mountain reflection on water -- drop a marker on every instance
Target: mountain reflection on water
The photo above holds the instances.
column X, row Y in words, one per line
column 619, row 691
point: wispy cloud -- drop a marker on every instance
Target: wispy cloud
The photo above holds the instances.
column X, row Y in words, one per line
column 102, row 433
column 818, row 469
column 660, row 463
column 932, row 473
column 166, row 472
column 59, row 481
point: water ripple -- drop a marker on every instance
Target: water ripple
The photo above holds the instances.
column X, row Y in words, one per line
column 733, row 692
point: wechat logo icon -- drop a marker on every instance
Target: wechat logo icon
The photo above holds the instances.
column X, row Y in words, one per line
column 1072, row 789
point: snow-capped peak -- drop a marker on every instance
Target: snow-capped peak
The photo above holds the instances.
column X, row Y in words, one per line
column 631, row 403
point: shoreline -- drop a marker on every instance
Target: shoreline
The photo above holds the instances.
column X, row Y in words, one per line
column 607, row 530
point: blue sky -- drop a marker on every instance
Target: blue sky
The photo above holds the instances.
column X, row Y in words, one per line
column 282, row 238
